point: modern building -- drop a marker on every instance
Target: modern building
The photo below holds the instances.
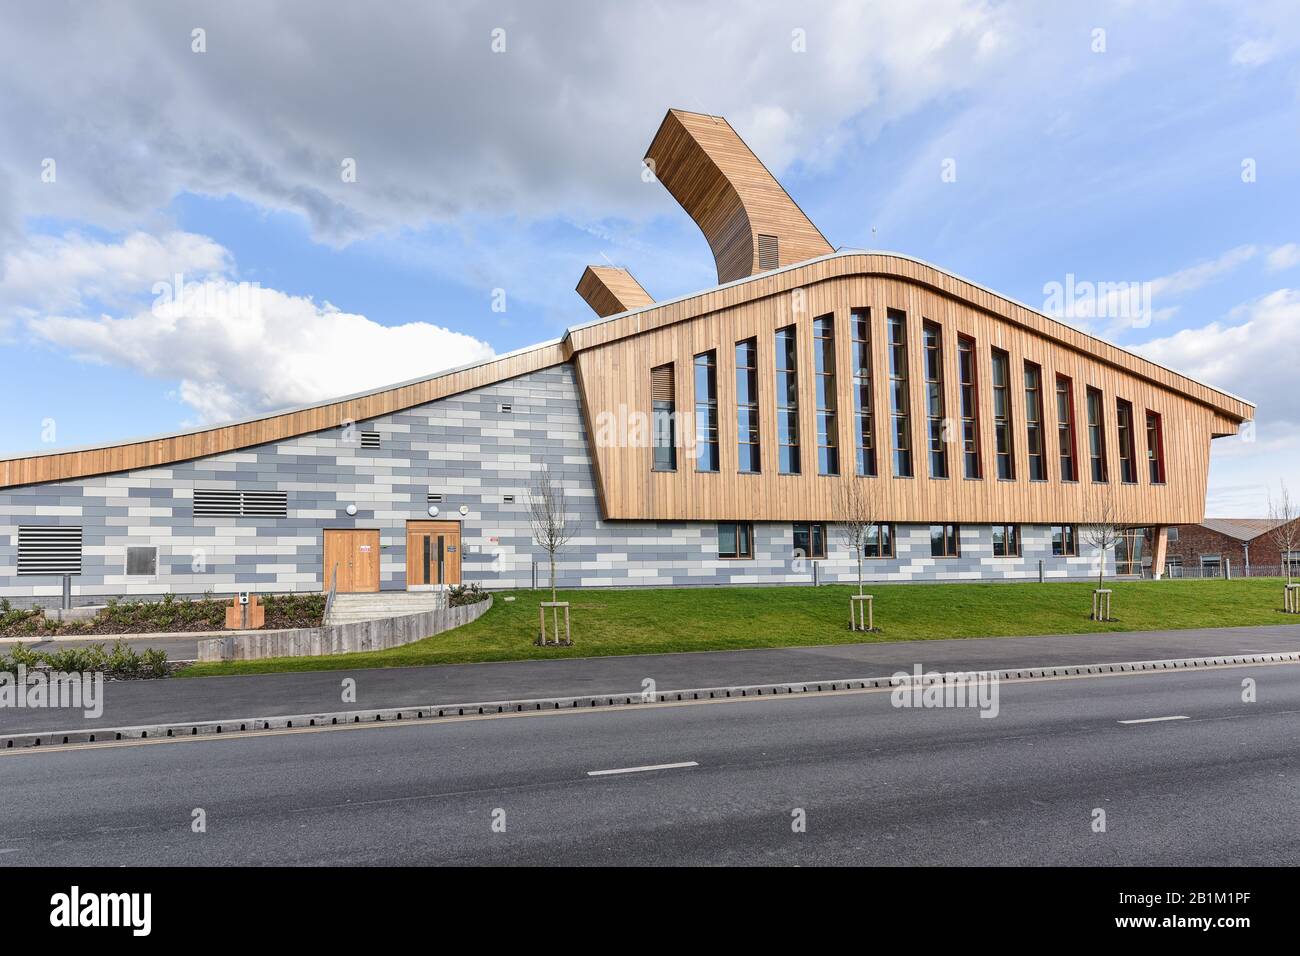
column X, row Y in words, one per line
column 1221, row 546
column 703, row 440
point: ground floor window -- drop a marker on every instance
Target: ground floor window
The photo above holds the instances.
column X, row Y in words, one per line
column 1065, row 541
column 735, row 539
column 1130, row 551
column 1291, row 562
column 944, row 541
column 810, row 539
column 879, row 541
column 1174, row 566
column 1006, row 541
column 1211, row 565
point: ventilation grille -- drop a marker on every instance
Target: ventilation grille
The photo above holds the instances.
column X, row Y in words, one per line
column 505, row 408
column 212, row 503
column 47, row 550
column 508, row 499
column 370, row 439
column 769, row 256
column 435, row 499
column 661, row 383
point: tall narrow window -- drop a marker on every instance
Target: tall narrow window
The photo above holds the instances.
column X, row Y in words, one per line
column 787, row 401
column 663, row 406
column 932, row 337
column 1155, row 448
column 970, row 431
column 1065, row 428
column 747, row 444
column 945, row 541
column 1124, row 426
column 706, row 411
column 1097, row 436
column 1036, row 446
column 863, row 405
column 899, row 405
column 828, row 452
column 1002, row 414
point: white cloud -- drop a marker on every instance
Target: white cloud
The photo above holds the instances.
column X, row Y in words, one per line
column 1284, row 257
column 233, row 349
column 1193, row 277
column 1253, row 53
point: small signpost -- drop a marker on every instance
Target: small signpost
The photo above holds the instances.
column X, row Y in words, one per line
column 245, row 613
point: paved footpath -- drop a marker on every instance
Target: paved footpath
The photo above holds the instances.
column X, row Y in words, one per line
column 130, row 703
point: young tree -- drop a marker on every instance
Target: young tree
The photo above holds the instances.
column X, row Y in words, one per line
column 1285, row 534
column 1101, row 530
column 855, row 512
column 548, row 514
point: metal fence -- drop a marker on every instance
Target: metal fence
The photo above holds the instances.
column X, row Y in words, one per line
column 1206, row 572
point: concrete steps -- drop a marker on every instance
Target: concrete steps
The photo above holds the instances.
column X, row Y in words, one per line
column 350, row 608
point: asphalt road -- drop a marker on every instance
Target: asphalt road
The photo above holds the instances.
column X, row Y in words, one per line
column 876, row 784
column 132, row 703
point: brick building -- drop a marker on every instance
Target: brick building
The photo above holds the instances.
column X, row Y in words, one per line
column 1209, row 547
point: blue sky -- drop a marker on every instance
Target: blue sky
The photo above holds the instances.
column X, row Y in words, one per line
column 1113, row 156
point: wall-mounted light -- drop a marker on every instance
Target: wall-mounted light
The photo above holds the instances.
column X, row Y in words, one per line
column 433, row 511
column 464, row 510
column 351, row 509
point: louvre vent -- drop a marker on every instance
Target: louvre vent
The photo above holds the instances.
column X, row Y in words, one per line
column 505, row 408
column 769, row 256
column 661, row 383
column 223, row 503
column 508, row 499
column 49, row 550
column 435, row 499
column 370, row 439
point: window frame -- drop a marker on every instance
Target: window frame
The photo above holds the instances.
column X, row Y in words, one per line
column 1155, row 432
column 936, row 406
column 1126, row 441
column 824, row 389
column 751, row 450
column 1069, row 540
column 901, row 444
column 950, row 535
column 663, row 421
column 707, row 427
column 748, row 535
column 1065, row 430
column 1035, row 422
column 812, row 530
column 786, row 382
column 968, row 361
column 866, row 461
column 1010, row 532
column 891, row 539
column 1003, row 425
column 1097, row 456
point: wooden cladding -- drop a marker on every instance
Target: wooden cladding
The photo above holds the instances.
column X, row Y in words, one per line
column 661, row 383
column 750, row 222
column 892, row 365
column 610, row 290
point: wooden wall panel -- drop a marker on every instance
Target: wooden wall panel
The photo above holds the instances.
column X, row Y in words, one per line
column 632, row 490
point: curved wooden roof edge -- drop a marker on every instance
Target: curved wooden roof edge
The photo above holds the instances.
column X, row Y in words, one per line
column 47, row 466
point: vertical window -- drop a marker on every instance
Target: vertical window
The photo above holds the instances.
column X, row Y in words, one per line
column 1065, row 543
column 828, row 452
column 810, row 539
column 663, row 405
column 747, row 405
column 1065, row 428
column 899, row 405
column 932, row 338
column 1124, row 426
column 787, row 401
column 706, row 411
column 1006, row 541
column 970, row 433
column 863, row 405
column 1155, row 448
column 944, row 541
column 1002, row 414
column 879, row 541
column 1097, row 436
column 1036, row 447
column 735, row 539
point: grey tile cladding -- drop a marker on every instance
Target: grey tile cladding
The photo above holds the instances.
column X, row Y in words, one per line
column 464, row 448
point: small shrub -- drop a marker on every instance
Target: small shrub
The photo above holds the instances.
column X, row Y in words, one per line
column 77, row 659
column 462, row 594
column 153, row 663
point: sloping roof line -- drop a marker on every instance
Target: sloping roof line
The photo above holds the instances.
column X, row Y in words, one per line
column 1243, row 529
column 557, row 351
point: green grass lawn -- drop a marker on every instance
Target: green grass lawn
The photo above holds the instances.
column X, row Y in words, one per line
column 607, row 622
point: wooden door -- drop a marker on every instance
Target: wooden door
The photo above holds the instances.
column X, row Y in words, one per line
column 356, row 554
column 432, row 552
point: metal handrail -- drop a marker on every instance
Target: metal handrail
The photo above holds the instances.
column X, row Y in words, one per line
column 329, row 597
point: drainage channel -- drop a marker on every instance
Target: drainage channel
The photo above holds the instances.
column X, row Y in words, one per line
column 48, row 739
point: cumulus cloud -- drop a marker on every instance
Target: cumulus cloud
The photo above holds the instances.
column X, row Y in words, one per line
column 233, row 348
column 1284, row 257
column 439, row 125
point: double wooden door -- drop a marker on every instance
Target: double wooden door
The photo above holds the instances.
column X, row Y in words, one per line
column 352, row 554
column 432, row 552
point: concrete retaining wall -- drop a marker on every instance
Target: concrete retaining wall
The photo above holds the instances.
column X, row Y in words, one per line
column 375, row 635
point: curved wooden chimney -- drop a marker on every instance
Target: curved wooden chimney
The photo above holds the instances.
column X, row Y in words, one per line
column 751, row 223
column 610, row 290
